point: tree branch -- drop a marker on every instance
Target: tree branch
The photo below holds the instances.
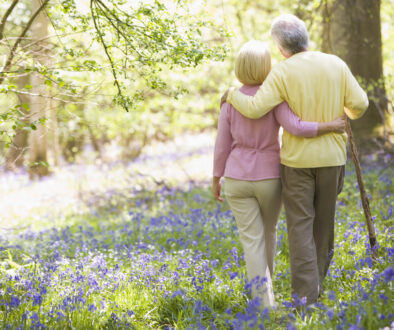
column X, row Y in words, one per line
column 17, row 42
column 16, row 91
column 126, row 38
column 4, row 19
column 106, row 51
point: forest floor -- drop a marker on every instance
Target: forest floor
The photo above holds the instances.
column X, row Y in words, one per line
column 175, row 162
column 142, row 245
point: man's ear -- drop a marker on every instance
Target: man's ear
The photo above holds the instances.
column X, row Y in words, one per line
column 283, row 52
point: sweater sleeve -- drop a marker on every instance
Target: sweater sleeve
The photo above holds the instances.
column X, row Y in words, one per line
column 267, row 97
column 223, row 142
column 356, row 100
column 292, row 123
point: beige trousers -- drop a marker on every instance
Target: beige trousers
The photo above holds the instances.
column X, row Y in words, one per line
column 256, row 206
column 309, row 196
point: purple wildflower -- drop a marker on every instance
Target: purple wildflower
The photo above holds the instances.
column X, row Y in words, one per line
column 37, row 299
column 15, row 302
column 92, row 308
column 388, row 274
column 291, row 326
column 233, row 275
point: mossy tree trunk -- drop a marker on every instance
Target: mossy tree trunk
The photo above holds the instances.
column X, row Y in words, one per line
column 351, row 30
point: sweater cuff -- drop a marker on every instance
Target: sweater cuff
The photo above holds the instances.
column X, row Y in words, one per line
column 218, row 173
column 313, row 129
column 230, row 95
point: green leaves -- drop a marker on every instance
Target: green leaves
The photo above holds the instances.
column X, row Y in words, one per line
column 14, row 120
column 68, row 6
column 144, row 39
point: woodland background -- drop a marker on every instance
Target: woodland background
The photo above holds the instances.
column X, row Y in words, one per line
column 121, row 74
column 108, row 115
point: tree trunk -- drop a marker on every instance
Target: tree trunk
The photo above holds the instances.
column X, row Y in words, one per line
column 38, row 105
column 54, row 132
column 351, row 30
column 18, row 147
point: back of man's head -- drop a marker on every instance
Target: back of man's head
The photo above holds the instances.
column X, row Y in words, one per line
column 290, row 34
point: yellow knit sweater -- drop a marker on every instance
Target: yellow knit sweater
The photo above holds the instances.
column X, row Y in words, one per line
column 318, row 87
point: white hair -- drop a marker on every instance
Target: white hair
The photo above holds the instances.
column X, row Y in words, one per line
column 290, row 34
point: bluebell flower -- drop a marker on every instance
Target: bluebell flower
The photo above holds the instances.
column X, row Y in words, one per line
column 298, row 301
column 290, row 326
column 37, row 299
column 318, row 305
column 25, row 315
column 330, row 314
column 213, row 326
column 92, row 308
column 388, row 274
column 233, row 275
column 242, row 317
column 60, row 316
column 177, row 293
column 14, row 302
column 198, row 306
column 34, row 317
column 234, row 253
column 331, row 295
column 265, row 313
column 382, row 296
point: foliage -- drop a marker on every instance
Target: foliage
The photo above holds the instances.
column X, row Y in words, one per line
column 148, row 38
column 170, row 257
column 81, row 78
column 15, row 119
column 139, row 44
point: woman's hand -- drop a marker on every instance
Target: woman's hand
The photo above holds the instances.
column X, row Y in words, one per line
column 339, row 125
column 336, row 126
column 216, row 188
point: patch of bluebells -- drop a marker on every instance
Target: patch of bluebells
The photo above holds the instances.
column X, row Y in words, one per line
column 187, row 252
column 83, row 261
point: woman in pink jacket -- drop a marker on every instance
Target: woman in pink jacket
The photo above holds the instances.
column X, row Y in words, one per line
column 247, row 155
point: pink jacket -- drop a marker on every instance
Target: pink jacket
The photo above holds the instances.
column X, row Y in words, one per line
column 248, row 149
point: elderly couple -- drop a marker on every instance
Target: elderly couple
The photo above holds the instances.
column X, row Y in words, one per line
column 308, row 94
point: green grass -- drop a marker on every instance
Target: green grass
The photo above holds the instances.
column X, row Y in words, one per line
column 171, row 258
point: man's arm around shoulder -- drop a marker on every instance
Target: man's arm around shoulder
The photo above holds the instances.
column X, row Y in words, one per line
column 267, row 97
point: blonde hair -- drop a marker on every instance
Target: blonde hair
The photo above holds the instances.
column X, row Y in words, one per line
column 253, row 63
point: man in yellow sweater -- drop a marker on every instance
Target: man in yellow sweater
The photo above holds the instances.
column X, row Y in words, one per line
column 318, row 87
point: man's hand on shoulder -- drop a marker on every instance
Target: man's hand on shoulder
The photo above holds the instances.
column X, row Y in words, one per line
column 224, row 97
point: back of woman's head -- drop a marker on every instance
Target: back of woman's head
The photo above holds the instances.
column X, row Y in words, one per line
column 253, row 63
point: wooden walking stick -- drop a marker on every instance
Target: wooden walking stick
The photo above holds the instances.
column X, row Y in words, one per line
column 363, row 194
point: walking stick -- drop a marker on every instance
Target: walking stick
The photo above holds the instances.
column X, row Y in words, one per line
column 363, row 194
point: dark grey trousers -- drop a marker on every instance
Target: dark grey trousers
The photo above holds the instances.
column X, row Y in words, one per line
column 309, row 196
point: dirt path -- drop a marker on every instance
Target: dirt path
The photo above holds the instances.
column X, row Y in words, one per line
column 188, row 157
